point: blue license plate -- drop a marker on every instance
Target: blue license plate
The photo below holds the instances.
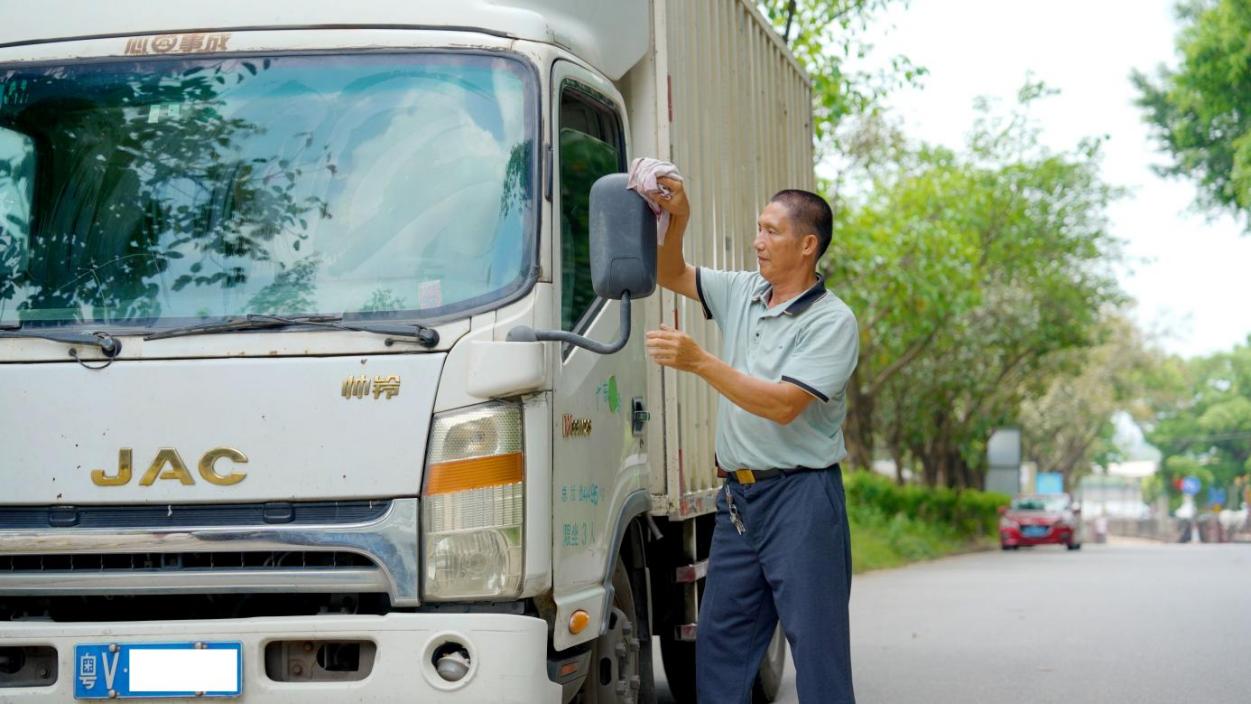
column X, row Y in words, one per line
column 1034, row 531
column 150, row 670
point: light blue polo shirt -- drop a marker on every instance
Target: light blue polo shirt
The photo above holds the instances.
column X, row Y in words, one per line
column 811, row 341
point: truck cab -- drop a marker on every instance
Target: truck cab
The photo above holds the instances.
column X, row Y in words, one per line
column 302, row 367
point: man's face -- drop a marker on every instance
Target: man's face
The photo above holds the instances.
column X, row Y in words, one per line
column 779, row 247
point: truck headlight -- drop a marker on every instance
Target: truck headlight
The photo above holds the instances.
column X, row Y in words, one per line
column 473, row 506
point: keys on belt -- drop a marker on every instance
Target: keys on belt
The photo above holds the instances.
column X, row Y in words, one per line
column 734, row 517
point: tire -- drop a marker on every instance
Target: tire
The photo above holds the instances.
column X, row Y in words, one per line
column 621, row 659
column 678, row 657
column 769, row 678
column 1074, row 546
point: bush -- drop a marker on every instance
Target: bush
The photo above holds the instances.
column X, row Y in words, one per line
column 966, row 514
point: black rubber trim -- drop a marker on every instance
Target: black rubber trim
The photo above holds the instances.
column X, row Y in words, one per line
column 805, row 387
column 699, row 289
column 193, row 515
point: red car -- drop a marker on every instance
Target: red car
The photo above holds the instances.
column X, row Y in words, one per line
column 1050, row 519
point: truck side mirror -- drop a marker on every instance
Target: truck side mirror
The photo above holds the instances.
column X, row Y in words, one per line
column 623, row 240
column 623, row 260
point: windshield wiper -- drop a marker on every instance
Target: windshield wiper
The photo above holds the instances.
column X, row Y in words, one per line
column 247, row 322
column 424, row 335
column 109, row 346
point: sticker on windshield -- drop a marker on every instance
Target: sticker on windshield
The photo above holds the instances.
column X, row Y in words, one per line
column 430, row 294
column 177, row 44
column 170, row 111
column 13, row 93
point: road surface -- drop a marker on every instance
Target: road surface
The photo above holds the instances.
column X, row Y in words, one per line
column 1125, row 622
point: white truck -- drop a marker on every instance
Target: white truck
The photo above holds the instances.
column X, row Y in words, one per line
column 299, row 389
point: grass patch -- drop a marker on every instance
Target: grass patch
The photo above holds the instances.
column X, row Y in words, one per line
column 893, row 525
column 879, row 541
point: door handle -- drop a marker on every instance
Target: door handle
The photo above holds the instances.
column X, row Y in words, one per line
column 639, row 415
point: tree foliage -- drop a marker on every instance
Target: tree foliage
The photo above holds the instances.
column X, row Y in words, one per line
column 826, row 37
column 975, row 275
column 1199, row 110
column 1070, row 428
column 980, row 277
column 1202, row 420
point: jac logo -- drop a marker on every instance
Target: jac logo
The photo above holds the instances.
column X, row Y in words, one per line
column 168, row 465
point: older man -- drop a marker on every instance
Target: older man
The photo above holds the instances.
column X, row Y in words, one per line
column 781, row 546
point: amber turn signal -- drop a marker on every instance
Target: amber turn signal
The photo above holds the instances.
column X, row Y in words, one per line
column 579, row 621
column 476, row 473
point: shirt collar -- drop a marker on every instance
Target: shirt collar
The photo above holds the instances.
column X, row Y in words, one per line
column 798, row 304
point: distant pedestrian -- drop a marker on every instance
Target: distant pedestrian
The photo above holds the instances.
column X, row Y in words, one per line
column 1101, row 529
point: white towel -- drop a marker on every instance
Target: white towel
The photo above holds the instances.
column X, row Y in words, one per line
column 644, row 173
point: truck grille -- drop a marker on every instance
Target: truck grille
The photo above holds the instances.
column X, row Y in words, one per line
column 357, row 547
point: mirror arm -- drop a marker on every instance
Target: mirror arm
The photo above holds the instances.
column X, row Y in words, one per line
column 525, row 333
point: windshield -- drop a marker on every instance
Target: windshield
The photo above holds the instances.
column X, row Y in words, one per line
column 1051, row 504
column 139, row 193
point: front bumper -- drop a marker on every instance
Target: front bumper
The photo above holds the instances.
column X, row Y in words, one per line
column 1055, row 535
column 508, row 655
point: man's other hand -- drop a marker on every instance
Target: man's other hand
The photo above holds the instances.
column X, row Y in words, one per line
column 674, row 348
column 675, row 203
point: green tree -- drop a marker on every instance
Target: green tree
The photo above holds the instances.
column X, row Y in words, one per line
column 1202, row 421
column 969, row 272
column 825, row 36
column 1199, row 110
column 1069, row 428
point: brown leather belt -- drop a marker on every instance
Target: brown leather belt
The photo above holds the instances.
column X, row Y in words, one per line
column 751, row 476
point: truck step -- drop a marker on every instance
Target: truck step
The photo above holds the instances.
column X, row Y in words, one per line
column 686, row 632
column 687, row 574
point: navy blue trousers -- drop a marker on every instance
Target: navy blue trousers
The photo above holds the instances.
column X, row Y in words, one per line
column 793, row 563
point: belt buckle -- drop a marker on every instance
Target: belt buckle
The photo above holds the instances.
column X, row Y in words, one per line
column 744, row 476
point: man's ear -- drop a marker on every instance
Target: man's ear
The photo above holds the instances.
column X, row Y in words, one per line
column 810, row 244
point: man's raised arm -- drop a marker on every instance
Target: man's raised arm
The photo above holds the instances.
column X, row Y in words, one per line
column 672, row 271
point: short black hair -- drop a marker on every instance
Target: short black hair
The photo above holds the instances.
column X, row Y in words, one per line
column 810, row 213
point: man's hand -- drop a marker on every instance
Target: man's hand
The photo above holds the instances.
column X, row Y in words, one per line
column 778, row 401
column 672, row 271
column 675, row 203
column 674, row 348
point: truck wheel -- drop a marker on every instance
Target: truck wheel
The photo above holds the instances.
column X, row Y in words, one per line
column 679, row 659
column 621, row 659
column 769, row 678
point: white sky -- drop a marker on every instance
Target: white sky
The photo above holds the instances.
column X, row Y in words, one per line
column 1187, row 274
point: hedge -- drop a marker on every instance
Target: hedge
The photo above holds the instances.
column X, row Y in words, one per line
column 968, row 512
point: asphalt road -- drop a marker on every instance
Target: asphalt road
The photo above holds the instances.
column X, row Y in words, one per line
column 1125, row 622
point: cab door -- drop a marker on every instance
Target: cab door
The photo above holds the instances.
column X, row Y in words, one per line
column 599, row 464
